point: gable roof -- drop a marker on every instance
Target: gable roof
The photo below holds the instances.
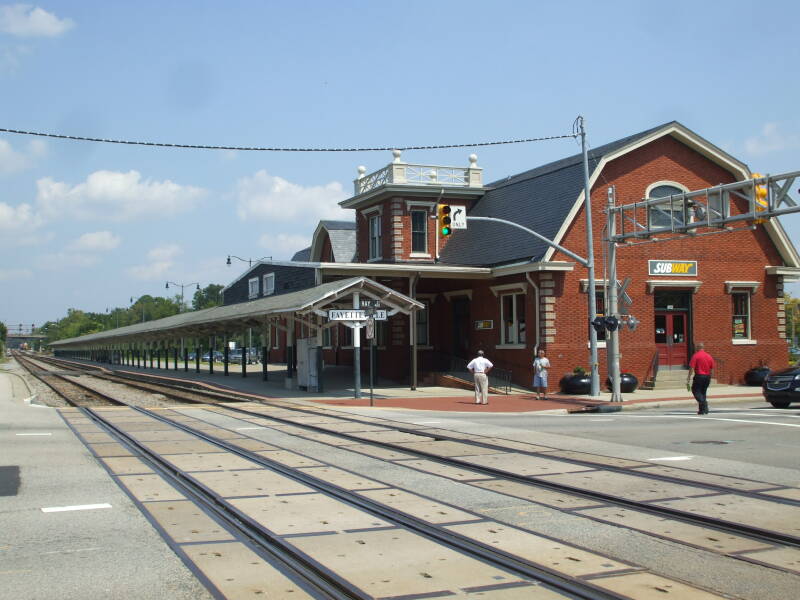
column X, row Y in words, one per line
column 342, row 235
column 547, row 198
column 302, row 255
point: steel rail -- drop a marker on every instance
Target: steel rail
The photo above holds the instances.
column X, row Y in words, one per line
column 494, row 556
column 27, row 365
column 756, row 533
column 322, row 581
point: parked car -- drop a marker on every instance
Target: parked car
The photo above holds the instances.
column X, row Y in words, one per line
column 781, row 388
column 235, row 356
column 217, row 357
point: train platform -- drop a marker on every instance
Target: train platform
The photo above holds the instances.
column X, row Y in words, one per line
column 339, row 391
column 68, row 530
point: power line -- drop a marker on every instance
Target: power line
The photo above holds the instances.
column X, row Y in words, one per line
column 278, row 148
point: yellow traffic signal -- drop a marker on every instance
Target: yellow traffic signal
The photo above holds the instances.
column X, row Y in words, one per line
column 760, row 197
column 444, row 220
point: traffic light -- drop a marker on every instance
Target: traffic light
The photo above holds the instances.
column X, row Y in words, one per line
column 611, row 323
column 760, row 194
column 444, row 220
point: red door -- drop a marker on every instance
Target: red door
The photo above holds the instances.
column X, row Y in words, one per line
column 670, row 337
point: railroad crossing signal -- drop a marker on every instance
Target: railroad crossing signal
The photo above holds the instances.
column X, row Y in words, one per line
column 445, row 220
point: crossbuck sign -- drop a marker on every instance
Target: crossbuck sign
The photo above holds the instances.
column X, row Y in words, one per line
column 356, row 315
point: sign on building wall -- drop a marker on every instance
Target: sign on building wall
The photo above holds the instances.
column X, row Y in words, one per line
column 686, row 268
column 356, row 315
column 484, row 324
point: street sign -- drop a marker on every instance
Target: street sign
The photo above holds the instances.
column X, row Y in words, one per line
column 622, row 295
column 351, row 314
column 458, row 218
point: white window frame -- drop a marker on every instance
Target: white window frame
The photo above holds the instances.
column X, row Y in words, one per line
column 374, row 241
column 252, row 292
column 427, row 323
column 425, row 218
column 269, row 284
column 674, row 184
column 747, row 292
column 506, row 343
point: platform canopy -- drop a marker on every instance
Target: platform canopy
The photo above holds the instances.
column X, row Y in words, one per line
column 256, row 313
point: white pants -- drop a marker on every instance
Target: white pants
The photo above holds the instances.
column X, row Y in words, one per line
column 481, row 388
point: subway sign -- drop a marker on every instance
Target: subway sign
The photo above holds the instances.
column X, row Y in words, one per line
column 672, row 267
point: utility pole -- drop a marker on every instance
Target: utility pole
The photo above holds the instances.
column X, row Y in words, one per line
column 611, row 296
column 587, row 206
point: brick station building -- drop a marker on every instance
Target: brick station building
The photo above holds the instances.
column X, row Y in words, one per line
column 497, row 288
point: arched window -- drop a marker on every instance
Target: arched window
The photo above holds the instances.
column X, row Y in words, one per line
column 666, row 214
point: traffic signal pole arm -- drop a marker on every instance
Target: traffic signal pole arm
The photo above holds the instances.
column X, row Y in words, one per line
column 539, row 236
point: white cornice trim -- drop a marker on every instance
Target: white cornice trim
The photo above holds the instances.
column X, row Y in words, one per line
column 507, row 287
column 733, row 285
column 427, row 204
column 788, row 273
column 671, row 283
column 456, row 293
column 412, row 190
column 532, row 267
column 598, row 283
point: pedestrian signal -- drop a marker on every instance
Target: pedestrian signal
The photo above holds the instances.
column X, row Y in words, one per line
column 444, row 220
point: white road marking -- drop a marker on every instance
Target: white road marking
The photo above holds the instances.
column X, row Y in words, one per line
column 709, row 418
column 79, row 507
column 34, row 434
column 673, row 458
column 74, row 550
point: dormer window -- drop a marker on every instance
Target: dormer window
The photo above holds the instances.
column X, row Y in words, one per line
column 269, row 284
column 252, row 288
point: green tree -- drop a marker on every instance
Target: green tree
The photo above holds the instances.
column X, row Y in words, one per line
column 792, row 307
column 209, row 296
column 3, row 332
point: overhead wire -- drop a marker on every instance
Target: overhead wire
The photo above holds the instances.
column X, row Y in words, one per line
column 280, row 148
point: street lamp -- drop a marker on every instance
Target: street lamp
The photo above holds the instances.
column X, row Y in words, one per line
column 249, row 261
column 182, row 285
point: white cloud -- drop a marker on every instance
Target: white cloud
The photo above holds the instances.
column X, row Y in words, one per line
column 15, row 274
column 115, row 196
column 771, row 139
column 265, row 196
column 283, row 246
column 97, row 241
column 24, row 20
column 18, row 219
column 161, row 260
column 67, row 260
column 12, row 160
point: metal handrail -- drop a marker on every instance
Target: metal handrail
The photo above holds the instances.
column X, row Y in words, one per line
column 652, row 372
column 441, row 362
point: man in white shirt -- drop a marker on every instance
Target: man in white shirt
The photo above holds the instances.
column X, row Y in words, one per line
column 480, row 367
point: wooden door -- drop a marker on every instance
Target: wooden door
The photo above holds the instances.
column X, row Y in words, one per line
column 670, row 338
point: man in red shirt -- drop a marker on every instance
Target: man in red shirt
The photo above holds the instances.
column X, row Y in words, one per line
column 701, row 366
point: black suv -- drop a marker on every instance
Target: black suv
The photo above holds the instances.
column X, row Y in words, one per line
column 781, row 388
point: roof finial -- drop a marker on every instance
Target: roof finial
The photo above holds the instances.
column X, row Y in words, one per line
column 396, row 154
column 361, row 170
column 473, row 161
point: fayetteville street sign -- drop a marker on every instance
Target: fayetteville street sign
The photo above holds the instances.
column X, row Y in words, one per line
column 356, row 315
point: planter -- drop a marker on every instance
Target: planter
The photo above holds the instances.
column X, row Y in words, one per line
column 756, row 376
column 576, row 384
column 627, row 384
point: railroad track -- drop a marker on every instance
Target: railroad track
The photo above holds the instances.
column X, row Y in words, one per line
column 288, row 415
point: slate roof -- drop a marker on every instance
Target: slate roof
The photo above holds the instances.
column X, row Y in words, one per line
column 539, row 199
column 343, row 240
column 303, row 255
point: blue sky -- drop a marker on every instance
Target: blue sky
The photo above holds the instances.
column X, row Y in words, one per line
column 86, row 225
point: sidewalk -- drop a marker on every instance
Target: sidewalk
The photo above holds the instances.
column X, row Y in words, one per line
column 339, row 392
